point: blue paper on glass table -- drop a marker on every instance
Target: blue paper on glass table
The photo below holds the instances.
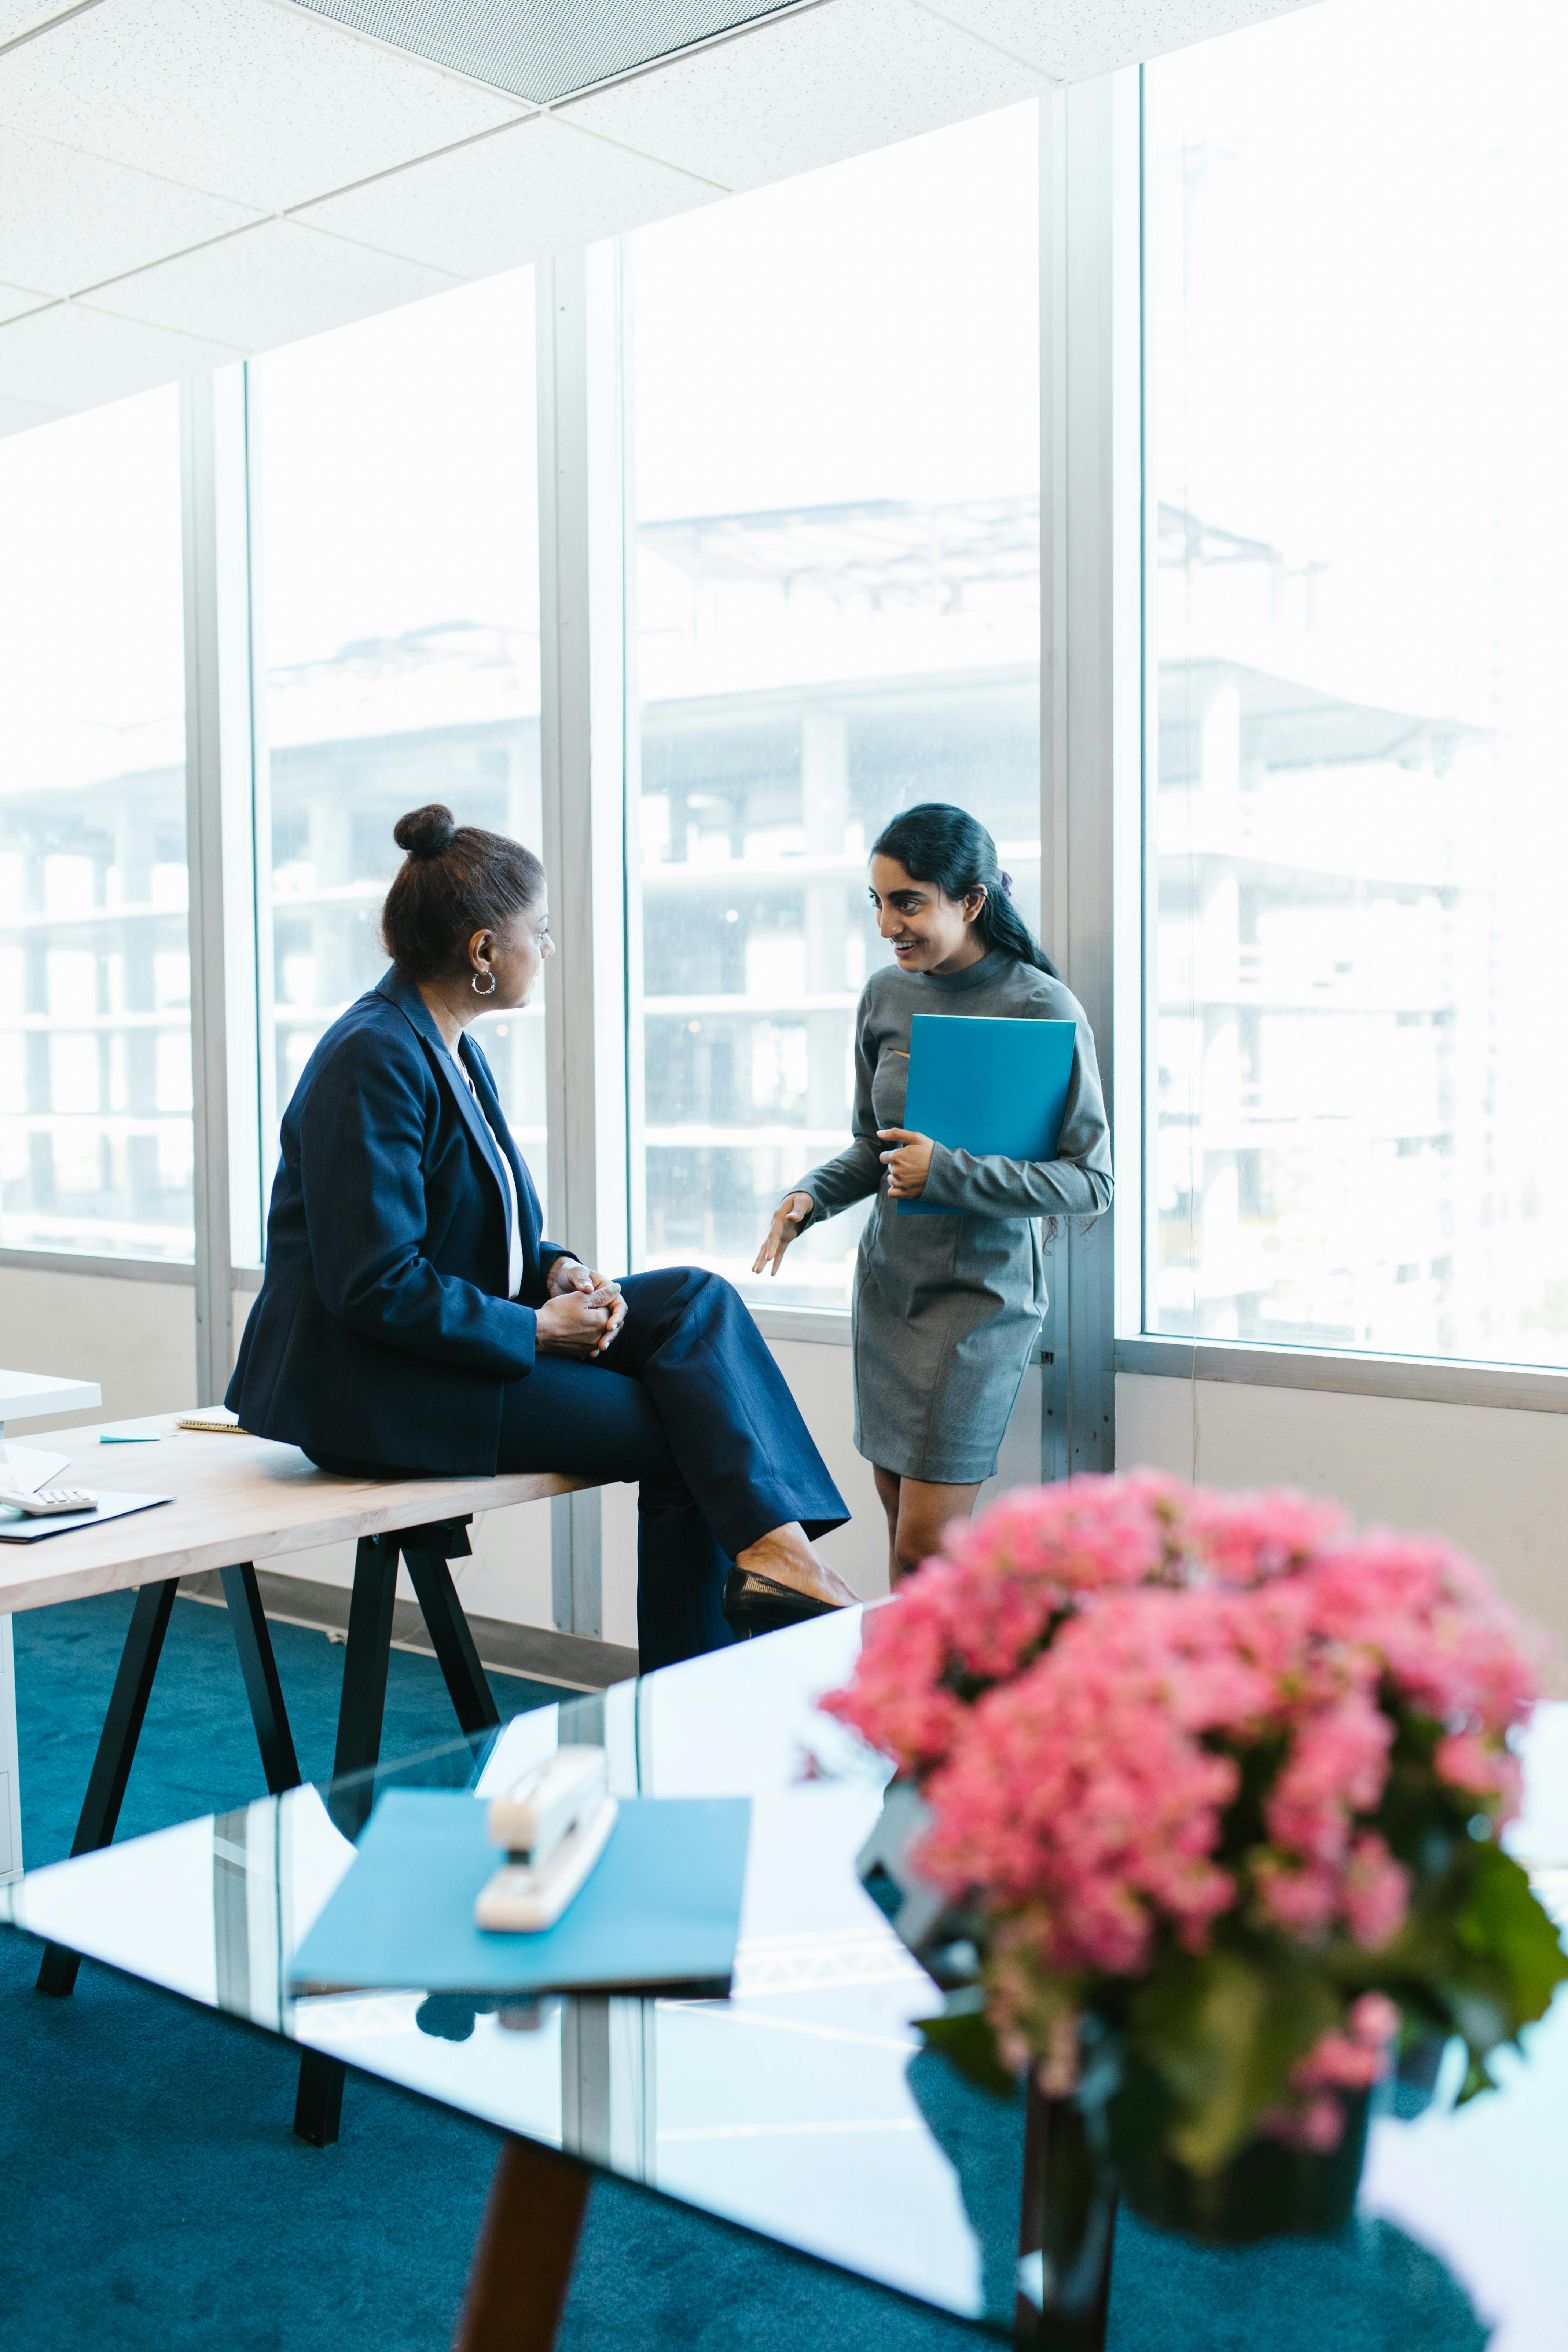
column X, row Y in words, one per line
column 661, row 1907
column 995, row 1088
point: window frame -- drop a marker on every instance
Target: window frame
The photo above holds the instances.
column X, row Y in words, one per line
column 1097, row 773
column 1436, row 1379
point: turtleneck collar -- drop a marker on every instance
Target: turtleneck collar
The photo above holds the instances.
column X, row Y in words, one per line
column 974, row 976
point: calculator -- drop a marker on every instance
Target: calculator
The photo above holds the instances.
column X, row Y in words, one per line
column 50, row 1502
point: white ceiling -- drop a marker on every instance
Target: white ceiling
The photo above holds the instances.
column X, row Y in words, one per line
column 187, row 182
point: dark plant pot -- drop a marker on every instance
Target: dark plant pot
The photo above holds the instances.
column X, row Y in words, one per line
column 1415, row 2075
column 1267, row 2190
column 1067, row 2232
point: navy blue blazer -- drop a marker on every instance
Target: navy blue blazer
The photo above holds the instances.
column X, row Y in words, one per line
column 383, row 1333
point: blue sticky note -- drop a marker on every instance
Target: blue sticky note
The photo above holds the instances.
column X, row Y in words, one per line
column 994, row 1089
column 128, row 1437
column 662, row 1906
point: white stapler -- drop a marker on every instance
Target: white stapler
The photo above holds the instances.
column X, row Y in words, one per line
column 553, row 1824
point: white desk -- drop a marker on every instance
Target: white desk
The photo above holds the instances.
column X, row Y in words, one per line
column 24, row 1396
column 239, row 1499
column 28, row 1396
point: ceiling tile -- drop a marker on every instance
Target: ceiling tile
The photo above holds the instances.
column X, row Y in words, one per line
column 15, row 301
column 249, row 99
column 800, row 91
column 67, row 220
column 547, row 48
column 71, row 357
column 19, row 16
column 1072, row 39
column 21, row 415
column 270, row 285
column 516, row 197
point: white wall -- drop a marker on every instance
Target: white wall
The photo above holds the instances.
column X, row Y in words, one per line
column 508, row 1575
column 137, row 1340
column 821, row 1381
column 1493, row 1481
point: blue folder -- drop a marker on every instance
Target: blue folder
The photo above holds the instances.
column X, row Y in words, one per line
column 16, row 1529
column 660, row 1909
column 995, row 1088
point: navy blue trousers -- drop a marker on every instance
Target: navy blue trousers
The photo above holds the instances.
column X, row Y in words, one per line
column 690, row 1404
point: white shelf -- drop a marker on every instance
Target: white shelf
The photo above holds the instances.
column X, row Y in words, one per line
column 26, row 1396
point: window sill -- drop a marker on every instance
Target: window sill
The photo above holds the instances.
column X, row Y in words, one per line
column 1428, row 1380
column 121, row 1269
column 826, row 1327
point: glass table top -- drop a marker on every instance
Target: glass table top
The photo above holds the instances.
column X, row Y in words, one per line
column 802, row 2106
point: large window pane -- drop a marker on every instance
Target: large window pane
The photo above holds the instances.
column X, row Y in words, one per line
column 399, row 545
column 95, row 985
column 838, row 473
column 1356, row 220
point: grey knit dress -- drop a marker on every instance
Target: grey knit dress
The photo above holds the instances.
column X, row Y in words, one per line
column 947, row 1309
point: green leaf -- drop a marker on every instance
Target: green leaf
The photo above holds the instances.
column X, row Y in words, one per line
column 1224, row 2031
column 1477, row 2080
column 964, row 2034
column 1501, row 1921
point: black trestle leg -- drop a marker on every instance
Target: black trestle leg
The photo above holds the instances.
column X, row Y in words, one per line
column 364, row 1665
column 449, row 1628
column 262, row 1687
column 427, row 1551
column 116, row 1752
column 318, row 2109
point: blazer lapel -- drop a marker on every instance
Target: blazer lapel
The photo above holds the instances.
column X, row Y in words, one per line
column 406, row 997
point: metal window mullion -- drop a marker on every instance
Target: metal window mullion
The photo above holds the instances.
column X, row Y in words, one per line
column 258, row 833
column 220, row 850
column 634, row 1025
column 1092, row 708
column 212, row 487
column 583, row 742
column 1056, row 1427
column 209, row 1077
column 1140, row 1261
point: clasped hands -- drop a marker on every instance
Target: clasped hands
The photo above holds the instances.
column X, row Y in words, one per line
column 583, row 1311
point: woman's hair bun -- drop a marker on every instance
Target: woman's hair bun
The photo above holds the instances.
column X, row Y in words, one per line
column 426, row 832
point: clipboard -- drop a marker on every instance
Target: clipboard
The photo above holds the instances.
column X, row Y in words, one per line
column 997, row 1088
column 16, row 1529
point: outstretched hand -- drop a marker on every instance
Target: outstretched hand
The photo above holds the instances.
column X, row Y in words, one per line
column 788, row 1217
column 584, row 1311
column 908, row 1165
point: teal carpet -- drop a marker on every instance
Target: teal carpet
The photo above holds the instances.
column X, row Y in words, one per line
column 153, row 2198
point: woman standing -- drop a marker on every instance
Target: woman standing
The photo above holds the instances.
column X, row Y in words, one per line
column 947, row 1310
column 413, row 1319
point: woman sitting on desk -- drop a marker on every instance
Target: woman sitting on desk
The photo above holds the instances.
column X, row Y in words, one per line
column 947, row 1310
column 413, row 1322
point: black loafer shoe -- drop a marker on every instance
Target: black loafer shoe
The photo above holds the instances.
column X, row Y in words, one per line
column 759, row 1604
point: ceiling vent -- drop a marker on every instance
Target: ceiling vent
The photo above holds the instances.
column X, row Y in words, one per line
column 543, row 50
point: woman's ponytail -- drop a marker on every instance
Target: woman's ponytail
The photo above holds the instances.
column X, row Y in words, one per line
column 935, row 842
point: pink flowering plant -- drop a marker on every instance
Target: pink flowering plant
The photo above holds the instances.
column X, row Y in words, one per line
column 1216, row 1785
